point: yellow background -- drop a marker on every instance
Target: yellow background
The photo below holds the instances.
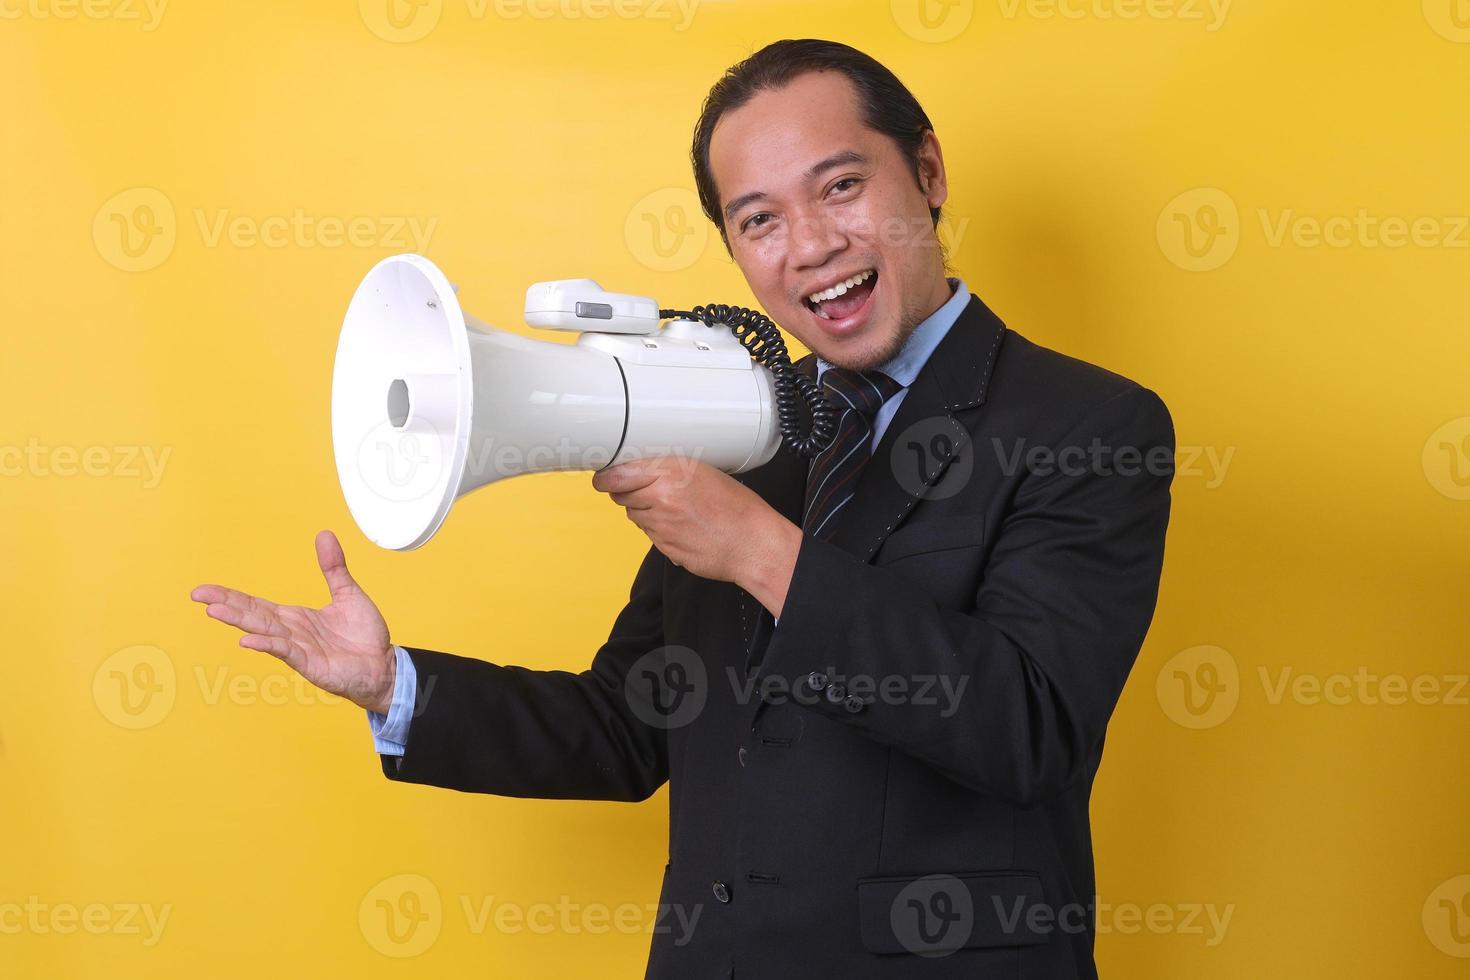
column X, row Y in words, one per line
column 1083, row 142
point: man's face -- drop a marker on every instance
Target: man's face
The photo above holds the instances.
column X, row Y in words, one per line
column 813, row 198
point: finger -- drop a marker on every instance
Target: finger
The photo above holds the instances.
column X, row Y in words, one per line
column 276, row 646
column 646, row 521
column 333, row 564
column 633, row 500
column 623, row 477
column 248, row 620
column 231, row 597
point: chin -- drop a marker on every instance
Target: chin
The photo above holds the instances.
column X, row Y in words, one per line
column 861, row 354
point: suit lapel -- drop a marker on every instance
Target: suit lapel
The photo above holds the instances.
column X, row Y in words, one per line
column 921, row 439
column 925, row 435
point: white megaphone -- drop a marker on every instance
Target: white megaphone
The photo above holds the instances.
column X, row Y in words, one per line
column 428, row 403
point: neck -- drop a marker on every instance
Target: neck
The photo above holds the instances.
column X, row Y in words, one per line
column 939, row 294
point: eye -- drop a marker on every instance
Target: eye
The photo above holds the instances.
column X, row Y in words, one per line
column 746, row 225
column 838, row 188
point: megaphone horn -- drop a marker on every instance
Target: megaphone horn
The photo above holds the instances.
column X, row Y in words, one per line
column 429, row 403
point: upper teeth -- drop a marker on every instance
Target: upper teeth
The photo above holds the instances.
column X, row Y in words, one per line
column 835, row 291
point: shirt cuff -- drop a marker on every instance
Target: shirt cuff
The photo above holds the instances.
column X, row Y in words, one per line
column 390, row 731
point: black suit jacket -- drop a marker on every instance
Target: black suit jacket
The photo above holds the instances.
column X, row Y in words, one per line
column 894, row 781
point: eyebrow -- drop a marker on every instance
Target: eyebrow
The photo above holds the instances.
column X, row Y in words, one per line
column 813, row 172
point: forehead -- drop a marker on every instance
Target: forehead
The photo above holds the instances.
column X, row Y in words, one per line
column 775, row 136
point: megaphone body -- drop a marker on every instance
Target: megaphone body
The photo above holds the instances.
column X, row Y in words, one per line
column 429, row 404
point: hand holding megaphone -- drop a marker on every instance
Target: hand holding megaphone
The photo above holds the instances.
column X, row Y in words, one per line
column 343, row 647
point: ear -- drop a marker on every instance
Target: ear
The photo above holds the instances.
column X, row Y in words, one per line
column 932, row 179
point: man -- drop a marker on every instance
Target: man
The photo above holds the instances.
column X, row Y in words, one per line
column 877, row 682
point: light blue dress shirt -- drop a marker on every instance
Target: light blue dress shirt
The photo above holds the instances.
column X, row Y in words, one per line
column 904, row 366
column 390, row 731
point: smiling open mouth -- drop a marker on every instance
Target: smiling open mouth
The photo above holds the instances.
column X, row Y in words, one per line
column 844, row 299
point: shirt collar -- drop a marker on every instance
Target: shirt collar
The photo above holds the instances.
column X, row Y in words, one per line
column 904, row 366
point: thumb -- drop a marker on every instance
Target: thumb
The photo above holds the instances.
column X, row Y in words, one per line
column 334, row 565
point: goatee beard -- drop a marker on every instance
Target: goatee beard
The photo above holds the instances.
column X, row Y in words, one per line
column 882, row 356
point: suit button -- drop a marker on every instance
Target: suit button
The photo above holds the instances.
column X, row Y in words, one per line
column 722, row 892
column 854, row 703
column 742, row 755
column 836, row 692
column 816, row 681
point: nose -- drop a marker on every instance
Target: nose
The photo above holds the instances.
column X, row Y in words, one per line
column 814, row 240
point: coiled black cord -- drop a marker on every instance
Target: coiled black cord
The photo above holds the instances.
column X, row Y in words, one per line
column 762, row 340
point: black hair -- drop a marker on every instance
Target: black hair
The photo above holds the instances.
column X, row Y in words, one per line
column 886, row 105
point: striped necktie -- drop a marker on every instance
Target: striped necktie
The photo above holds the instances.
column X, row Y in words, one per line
column 857, row 396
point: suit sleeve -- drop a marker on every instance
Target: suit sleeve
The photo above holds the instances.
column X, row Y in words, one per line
column 1039, row 662
column 480, row 727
